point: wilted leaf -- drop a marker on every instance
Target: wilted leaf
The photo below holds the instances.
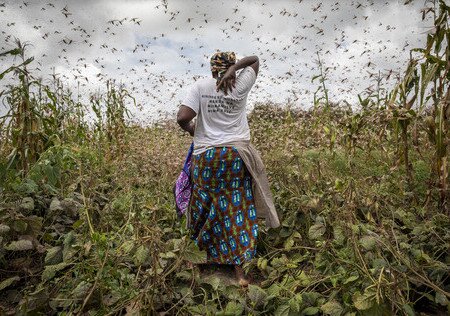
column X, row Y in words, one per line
column 441, row 299
column 362, row 301
column 193, row 254
column 50, row 271
column 141, row 255
column 111, row 298
column 68, row 251
column 27, row 204
column 332, row 308
column 408, row 310
column 315, row 231
column 368, row 242
column 199, row 309
column 20, row 245
column 55, row 205
column 290, row 241
column 34, row 225
column 167, row 255
column 304, row 279
column 81, row 290
column 262, row 263
column 71, row 207
column 184, row 275
column 273, row 290
column 53, row 256
column 127, row 246
column 4, row 229
column 351, row 279
column 378, row 263
column 234, row 308
column 213, row 281
column 28, row 186
column 256, row 294
column 19, row 225
column 310, row 311
column 338, row 234
column 4, row 284
column 282, row 310
column 279, row 262
column 295, row 302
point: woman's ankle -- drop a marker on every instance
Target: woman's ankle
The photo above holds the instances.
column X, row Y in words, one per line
column 240, row 276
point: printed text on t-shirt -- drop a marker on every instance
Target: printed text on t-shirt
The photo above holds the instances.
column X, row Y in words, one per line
column 216, row 103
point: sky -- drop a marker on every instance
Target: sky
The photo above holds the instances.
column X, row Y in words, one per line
column 157, row 49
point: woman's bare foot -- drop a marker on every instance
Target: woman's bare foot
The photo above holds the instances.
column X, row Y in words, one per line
column 240, row 275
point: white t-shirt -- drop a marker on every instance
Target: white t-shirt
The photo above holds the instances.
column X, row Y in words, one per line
column 220, row 118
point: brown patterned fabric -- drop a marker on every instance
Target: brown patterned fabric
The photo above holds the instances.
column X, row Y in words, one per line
column 222, row 210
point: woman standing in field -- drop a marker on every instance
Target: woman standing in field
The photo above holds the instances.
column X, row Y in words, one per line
column 230, row 188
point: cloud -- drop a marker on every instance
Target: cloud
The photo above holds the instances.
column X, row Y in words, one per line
column 158, row 48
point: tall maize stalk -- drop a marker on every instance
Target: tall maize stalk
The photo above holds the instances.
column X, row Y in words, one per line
column 431, row 81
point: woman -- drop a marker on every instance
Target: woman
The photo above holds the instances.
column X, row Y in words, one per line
column 230, row 188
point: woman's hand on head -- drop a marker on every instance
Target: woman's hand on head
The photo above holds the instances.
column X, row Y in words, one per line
column 228, row 81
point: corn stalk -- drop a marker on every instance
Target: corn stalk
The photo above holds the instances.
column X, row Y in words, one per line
column 115, row 115
column 23, row 126
column 434, row 86
column 329, row 129
column 402, row 113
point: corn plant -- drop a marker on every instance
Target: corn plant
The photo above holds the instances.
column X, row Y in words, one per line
column 329, row 130
column 40, row 116
column 116, row 110
column 434, row 86
column 402, row 113
column 23, row 127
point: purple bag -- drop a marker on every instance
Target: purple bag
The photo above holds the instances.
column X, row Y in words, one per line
column 183, row 186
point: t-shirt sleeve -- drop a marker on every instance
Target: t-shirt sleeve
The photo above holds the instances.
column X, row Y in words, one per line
column 192, row 98
column 245, row 81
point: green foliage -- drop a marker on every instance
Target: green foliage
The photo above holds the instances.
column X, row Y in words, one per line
column 353, row 239
column 87, row 220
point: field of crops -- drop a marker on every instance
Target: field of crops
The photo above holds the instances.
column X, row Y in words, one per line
column 88, row 224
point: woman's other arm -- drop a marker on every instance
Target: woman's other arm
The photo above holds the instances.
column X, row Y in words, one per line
column 184, row 119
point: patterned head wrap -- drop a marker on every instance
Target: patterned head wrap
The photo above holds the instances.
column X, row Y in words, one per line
column 221, row 61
